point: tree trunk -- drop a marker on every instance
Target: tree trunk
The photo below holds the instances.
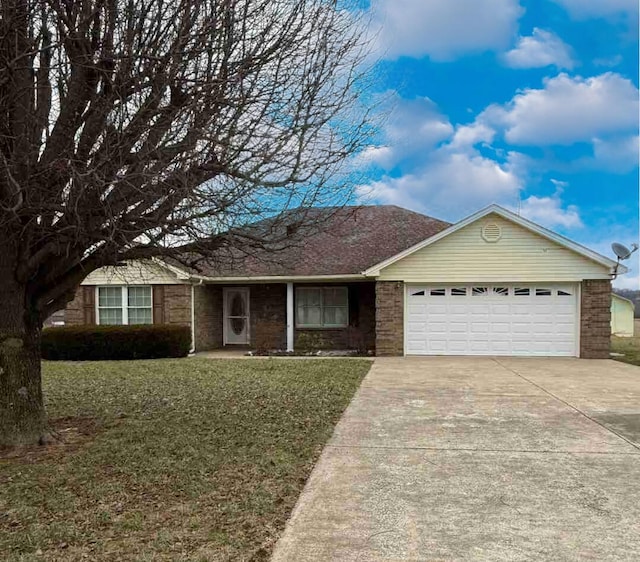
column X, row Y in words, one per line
column 22, row 415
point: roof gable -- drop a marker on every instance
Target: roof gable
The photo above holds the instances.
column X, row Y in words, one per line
column 512, row 218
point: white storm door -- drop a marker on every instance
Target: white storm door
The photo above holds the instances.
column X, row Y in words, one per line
column 236, row 315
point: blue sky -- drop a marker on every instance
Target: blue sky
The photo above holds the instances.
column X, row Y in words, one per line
column 532, row 104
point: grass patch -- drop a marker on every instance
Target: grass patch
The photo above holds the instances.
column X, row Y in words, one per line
column 189, row 459
column 629, row 347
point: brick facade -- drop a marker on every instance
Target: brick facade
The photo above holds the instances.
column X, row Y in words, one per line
column 389, row 318
column 73, row 313
column 268, row 316
column 376, row 316
column 208, row 317
column 174, row 302
column 595, row 319
column 177, row 304
column 361, row 332
column 268, row 319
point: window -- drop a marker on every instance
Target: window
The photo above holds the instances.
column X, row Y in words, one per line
column 521, row 291
column 437, row 292
column 478, row 291
column 322, row 307
column 124, row 305
column 502, row 291
column 418, row 294
column 543, row 292
column 139, row 305
column 562, row 293
column 459, row 292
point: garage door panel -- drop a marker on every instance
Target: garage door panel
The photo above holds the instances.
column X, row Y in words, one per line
column 499, row 348
column 438, row 346
column 457, row 347
column 493, row 322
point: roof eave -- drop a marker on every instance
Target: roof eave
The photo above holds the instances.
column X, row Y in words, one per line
column 279, row 278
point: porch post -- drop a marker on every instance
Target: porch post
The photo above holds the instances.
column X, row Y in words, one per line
column 289, row 316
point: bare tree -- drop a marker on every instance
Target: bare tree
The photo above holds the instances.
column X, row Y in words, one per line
column 137, row 128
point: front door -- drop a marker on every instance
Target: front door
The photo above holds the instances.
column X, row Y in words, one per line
column 236, row 315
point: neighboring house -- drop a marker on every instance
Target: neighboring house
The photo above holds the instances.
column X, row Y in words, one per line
column 383, row 278
column 56, row 319
column 621, row 316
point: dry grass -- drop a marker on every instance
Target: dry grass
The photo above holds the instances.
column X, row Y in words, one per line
column 189, row 459
column 629, row 347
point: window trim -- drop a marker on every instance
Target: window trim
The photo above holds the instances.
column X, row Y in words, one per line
column 124, row 304
column 322, row 326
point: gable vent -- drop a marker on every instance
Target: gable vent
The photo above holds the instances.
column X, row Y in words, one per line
column 491, row 232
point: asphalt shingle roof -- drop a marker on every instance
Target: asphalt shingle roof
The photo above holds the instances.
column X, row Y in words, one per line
column 341, row 241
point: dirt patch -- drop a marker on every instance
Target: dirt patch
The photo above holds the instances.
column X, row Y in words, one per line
column 65, row 435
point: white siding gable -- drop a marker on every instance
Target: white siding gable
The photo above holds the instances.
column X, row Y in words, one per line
column 134, row 273
column 518, row 255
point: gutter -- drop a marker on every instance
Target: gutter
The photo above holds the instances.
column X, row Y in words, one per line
column 279, row 278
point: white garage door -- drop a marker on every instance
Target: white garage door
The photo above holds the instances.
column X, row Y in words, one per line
column 492, row 320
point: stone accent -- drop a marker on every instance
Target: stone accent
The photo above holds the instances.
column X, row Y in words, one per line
column 389, row 318
column 208, row 317
column 595, row 319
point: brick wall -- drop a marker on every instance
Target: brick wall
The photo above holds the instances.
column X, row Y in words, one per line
column 176, row 305
column 268, row 315
column 595, row 319
column 361, row 332
column 389, row 318
column 208, row 316
column 73, row 313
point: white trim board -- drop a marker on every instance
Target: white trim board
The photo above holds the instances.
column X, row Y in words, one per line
column 374, row 271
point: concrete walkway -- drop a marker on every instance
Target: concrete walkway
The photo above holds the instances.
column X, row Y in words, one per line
column 478, row 459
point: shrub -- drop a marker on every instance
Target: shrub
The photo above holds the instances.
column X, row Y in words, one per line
column 310, row 341
column 95, row 343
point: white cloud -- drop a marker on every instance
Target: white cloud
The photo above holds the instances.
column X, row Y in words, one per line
column 618, row 155
column 443, row 29
column 582, row 9
column 549, row 212
column 417, row 121
column 448, row 185
column 542, row 48
column 610, row 62
column 470, row 135
column 568, row 110
column 382, row 156
column 413, row 128
column 627, row 281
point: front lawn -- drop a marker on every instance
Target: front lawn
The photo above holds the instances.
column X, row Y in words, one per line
column 191, row 459
column 629, row 347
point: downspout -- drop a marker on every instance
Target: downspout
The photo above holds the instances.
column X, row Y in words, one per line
column 193, row 316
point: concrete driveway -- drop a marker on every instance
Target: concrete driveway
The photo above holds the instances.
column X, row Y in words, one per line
column 478, row 459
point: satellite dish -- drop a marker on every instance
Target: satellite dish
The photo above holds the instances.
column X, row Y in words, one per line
column 622, row 251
